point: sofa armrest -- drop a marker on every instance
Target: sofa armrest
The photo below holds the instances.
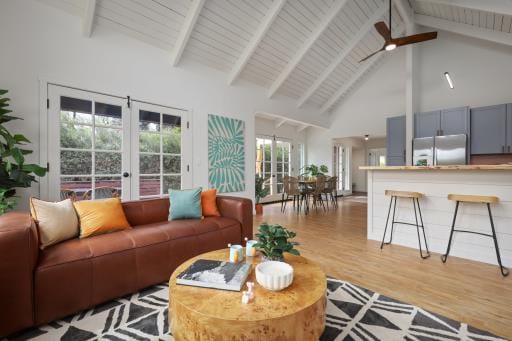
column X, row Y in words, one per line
column 239, row 209
column 18, row 257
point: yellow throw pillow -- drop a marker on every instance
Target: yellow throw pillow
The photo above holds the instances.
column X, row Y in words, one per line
column 56, row 221
column 100, row 216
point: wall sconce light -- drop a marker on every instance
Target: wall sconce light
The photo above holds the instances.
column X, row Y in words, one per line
column 366, row 137
column 449, row 80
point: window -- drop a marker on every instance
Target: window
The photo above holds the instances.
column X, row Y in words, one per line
column 159, row 153
column 264, row 160
column 283, row 150
column 90, row 147
column 301, row 151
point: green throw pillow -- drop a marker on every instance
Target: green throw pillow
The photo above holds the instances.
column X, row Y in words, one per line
column 185, row 204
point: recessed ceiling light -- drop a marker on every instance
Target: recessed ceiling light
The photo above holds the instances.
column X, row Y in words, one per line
column 390, row 47
column 449, row 80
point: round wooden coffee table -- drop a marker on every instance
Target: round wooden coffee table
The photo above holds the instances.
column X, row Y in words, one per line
column 295, row 313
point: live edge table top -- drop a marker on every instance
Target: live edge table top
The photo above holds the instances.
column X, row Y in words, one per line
column 297, row 311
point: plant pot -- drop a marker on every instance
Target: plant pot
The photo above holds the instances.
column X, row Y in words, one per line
column 270, row 259
column 259, row 209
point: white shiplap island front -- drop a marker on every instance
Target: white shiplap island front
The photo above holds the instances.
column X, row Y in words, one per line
column 436, row 183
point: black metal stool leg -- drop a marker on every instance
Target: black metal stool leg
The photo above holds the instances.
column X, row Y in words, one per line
column 387, row 221
column 422, row 226
column 443, row 257
column 504, row 270
column 392, row 222
column 418, row 230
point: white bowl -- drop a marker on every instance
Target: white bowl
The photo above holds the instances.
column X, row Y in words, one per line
column 274, row 275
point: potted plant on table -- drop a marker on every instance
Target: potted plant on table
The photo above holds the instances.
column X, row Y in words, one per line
column 312, row 171
column 260, row 193
column 274, row 240
column 14, row 172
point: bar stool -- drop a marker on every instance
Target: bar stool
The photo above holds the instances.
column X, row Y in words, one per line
column 479, row 199
column 415, row 201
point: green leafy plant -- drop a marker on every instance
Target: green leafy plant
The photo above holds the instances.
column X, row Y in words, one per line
column 274, row 240
column 314, row 170
column 14, row 173
column 260, row 190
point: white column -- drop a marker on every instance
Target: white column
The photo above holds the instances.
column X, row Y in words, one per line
column 410, row 95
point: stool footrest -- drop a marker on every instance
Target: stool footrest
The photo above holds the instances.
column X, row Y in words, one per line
column 406, row 223
column 474, row 232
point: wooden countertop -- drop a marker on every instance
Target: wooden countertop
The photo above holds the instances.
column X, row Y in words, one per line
column 505, row 167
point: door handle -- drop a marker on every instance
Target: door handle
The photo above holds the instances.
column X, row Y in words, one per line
column 126, row 174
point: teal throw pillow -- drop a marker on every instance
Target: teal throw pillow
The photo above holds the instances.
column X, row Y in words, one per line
column 185, row 204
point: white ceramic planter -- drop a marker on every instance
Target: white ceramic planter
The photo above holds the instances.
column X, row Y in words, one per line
column 274, row 275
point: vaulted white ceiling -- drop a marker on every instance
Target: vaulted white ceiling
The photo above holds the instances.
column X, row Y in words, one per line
column 304, row 49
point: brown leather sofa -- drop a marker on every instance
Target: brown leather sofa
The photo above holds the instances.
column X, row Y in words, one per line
column 38, row 286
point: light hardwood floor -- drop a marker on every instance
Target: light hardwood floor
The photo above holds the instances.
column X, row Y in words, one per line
column 464, row 290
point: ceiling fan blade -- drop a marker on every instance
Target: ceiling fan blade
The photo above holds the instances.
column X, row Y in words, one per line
column 416, row 38
column 371, row 55
column 383, row 29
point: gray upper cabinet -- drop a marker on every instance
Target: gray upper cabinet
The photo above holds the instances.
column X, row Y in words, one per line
column 395, row 130
column 455, row 121
column 489, row 129
column 427, row 124
column 509, row 128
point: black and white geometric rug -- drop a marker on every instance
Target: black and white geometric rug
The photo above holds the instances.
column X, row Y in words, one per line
column 353, row 313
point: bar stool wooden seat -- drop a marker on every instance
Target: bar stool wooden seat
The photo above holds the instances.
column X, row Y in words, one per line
column 479, row 199
column 415, row 196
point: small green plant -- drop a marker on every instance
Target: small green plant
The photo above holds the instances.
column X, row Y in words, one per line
column 314, row 170
column 14, row 172
column 260, row 190
column 274, row 240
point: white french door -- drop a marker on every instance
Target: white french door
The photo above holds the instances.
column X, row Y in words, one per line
column 161, row 152
column 98, row 145
column 273, row 162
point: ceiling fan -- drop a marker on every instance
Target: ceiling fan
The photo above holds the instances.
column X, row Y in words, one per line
column 392, row 43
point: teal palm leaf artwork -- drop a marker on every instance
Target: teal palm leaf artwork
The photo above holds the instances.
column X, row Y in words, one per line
column 226, row 156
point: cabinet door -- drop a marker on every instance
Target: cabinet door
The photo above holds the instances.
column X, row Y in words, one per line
column 427, row 124
column 509, row 128
column 488, row 129
column 455, row 121
column 395, row 141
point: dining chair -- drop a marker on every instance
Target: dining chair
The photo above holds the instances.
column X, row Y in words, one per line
column 330, row 191
column 294, row 192
column 102, row 193
column 67, row 194
column 286, row 189
column 317, row 192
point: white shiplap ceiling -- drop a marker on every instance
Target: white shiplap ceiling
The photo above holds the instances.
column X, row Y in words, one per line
column 304, row 49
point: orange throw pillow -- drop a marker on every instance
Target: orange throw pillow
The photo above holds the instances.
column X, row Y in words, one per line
column 209, row 203
column 100, row 216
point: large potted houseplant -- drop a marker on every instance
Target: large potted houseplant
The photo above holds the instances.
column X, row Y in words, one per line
column 312, row 171
column 260, row 192
column 274, row 241
column 14, row 172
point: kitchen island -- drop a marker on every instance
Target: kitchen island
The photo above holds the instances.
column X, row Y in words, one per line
column 436, row 182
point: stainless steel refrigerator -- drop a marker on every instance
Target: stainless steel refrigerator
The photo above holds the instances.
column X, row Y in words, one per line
column 440, row 150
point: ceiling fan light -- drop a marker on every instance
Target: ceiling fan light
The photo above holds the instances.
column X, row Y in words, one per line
column 390, row 47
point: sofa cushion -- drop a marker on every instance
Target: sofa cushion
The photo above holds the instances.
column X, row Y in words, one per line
column 148, row 211
column 185, row 204
column 100, row 216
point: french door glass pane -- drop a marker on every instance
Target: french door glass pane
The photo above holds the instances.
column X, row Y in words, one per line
column 159, row 153
column 85, row 136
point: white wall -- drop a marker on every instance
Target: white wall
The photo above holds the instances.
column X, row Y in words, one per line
column 481, row 71
column 41, row 42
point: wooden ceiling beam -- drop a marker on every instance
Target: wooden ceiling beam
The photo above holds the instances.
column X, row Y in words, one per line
column 88, row 20
column 495, row 6
column 262, row 30
column 464, row 29
column 306, row 46
column 356, row 39
column 186, row 31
